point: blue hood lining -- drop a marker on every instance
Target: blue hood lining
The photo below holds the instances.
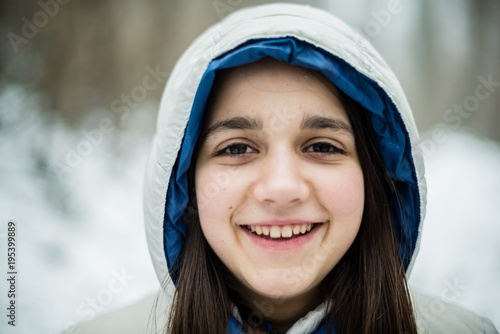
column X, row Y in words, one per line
column 392, row 136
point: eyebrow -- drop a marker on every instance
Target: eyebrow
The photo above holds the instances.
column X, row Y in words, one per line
column 249, row 123
column 234, row 123
column 321, row 122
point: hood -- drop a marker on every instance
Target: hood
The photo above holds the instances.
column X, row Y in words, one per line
column 303, row 36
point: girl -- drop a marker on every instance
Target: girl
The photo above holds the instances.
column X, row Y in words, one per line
column 285, row 189
column 302, row 222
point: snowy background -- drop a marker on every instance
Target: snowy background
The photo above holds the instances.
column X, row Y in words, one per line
column 80, row 227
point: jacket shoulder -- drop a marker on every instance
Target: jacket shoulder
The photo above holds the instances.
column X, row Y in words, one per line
column 434, row 316
column 133, row 319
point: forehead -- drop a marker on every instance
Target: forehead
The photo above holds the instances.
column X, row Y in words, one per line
column 249, row 88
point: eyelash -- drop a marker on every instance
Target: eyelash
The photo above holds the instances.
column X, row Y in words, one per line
column 333, row 149
column 224, row 153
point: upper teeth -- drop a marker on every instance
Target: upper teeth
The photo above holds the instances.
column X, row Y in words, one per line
column 285, row 231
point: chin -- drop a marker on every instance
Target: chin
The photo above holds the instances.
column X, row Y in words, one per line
column 286, row 284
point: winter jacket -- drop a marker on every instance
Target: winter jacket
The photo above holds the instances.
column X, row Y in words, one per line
column 311, row 38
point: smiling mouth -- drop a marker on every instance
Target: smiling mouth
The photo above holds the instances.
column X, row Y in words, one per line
column 285, row 232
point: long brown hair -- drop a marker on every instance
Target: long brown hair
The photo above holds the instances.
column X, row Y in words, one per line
column 366, row 291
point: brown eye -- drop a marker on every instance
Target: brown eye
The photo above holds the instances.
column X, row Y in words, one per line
column 236, row 149
column 324, row 148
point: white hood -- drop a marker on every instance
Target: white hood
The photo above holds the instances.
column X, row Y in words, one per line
column 355, row 64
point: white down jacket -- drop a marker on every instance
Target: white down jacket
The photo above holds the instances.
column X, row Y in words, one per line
column 307, row 37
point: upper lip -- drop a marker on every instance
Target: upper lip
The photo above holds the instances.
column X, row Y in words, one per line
column 283, row 222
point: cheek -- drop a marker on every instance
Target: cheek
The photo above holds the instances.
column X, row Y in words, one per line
column 214, row 190
column 216, row 196
column 343, row 194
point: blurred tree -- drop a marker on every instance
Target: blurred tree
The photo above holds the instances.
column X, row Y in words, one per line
column 484, row 55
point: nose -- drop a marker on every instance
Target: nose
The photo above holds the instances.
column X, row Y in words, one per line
column 281, row 181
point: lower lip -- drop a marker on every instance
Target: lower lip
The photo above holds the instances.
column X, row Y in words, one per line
column 282, row 244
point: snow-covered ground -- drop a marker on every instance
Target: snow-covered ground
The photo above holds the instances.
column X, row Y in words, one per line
column 81, row 248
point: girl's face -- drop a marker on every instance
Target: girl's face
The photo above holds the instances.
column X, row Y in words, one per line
column 279, row 186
